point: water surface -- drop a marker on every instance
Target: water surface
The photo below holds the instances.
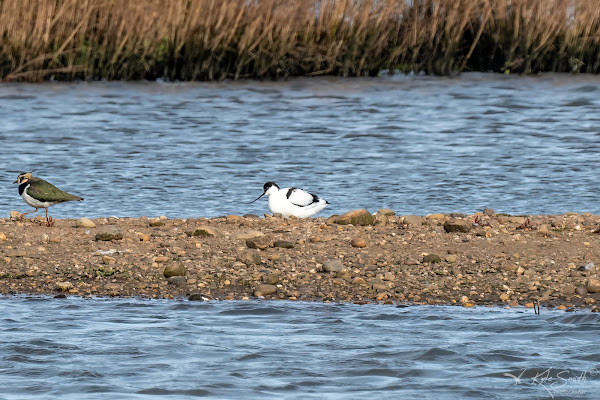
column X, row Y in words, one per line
column 414, row 144
column 137, row 349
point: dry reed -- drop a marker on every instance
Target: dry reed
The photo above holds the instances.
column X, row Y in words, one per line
column 220, row 39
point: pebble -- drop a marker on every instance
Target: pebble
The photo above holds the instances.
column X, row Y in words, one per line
column 156, row 222
column 64, row 286
column 285, row 244
column 343, row 274
column 249, row 257
column 356, row 217
column 593, row 286
column 581, row 291
column 504, row 297
column 15, row 215
column 85, row 223
column 2, row 236
column 112, row 286
column 432, row 258
column 457, row 225
column 273, row 278
column 381, row 220
column 358, row 281
column 108, row 260
column 489, row 211
column 264, row 290
column 386, row 211
column 174, row 270
column 261, row 242
column 333, row 266
column 204, row 231
column 176, row 280
column 199, row 297
column 161, row 259
column 414, row 220
column 451, row 258
column 109, row 232
column 358, row 242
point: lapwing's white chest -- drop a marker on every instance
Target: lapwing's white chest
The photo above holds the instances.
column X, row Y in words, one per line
column 34, row 202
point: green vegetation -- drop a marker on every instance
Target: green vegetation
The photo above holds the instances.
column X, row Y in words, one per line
column 231, row 39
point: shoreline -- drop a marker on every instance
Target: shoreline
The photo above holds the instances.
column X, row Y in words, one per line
column 482, row 259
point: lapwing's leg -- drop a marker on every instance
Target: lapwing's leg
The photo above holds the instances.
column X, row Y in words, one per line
column 47, row 220
column 29, row 212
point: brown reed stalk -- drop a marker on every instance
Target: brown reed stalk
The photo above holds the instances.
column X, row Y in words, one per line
column 232, row 39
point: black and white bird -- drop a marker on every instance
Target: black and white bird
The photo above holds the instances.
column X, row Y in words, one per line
column 292, row 201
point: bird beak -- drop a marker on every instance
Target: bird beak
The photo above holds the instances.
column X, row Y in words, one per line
column 17, row 181
column 257, row 198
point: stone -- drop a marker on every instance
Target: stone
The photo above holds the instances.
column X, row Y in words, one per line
column 432, row 258
column 452, row 258
column 161, row 259
column 569, row 290
column 261, row 242
column 15, row 215
column 356, row 217
column 333, row 266
column 199, row 297
column 85, row 223
column 284, row 244
column 413, row 220
column 109, row 232
column 174, row 270
column 593, row 286
column 248, row 235
column 437, row 217
column 358, row 242
column 457, row 225
column 113, row 287
column 359, row 281
column 2, row 236
column 204, row 231
column 343, row 274
column 381, row 220
column 64, row 286
column 249, row 257
column 176, row 280
column 504, row 297
column 264, row 290
column 272, row 278
column 386, row 211
column 581, row 291
column 108, row 260
column 155, row 222
column 489, row 211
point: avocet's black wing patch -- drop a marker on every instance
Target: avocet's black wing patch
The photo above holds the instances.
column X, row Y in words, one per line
column 301, row 198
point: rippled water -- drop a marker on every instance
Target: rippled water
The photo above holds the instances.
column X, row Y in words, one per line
column 414, row 144
column 104, row 348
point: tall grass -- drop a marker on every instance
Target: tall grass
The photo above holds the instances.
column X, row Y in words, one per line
column 220, row 39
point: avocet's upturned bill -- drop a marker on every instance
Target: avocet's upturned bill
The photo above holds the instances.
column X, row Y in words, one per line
column 292, row 201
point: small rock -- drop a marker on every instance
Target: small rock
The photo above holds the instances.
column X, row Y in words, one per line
column 174, row 270
column 199, row 297
column 204, row 231
column 504, row 297
column 381, row 220
column 356, row 217
column 176, row 280
column 437, row 217
column 333, row 266
column 358, row 242
column 161, row 259
column 64, row 286
column 520, row 271
column 489, row 211
column 581, row 291
column 413, row 220
column 358, row 281
column 451, row 258
column 250, row 257
column 457, row 225
column 109, row 232
column 285, row 244
column 272, row 278
column 248, row 235
column 569, row 290
column 15, row 215
column 112, row 286
column 593, row 286
column 85, row 223
column 233, row 218
column 343, row 274
column 432, row 258
column 261, row 242
column 2, row 236
column 264, row 290
column 155, row 222
column 108, row 260
column 386, row 211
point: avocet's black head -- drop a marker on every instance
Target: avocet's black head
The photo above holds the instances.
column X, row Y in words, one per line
column 266, row 188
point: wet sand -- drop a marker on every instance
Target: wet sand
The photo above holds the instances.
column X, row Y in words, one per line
column 467, row 260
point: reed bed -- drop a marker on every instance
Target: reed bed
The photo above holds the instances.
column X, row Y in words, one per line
column 232, row 39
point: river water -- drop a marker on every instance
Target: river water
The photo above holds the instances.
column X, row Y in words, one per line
column 136, row 349
column 417, row 145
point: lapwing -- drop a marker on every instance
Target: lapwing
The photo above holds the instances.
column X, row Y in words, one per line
column 292, row 201
column 40, row 194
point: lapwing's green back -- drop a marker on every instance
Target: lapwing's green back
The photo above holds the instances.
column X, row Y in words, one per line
column 41, row 190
